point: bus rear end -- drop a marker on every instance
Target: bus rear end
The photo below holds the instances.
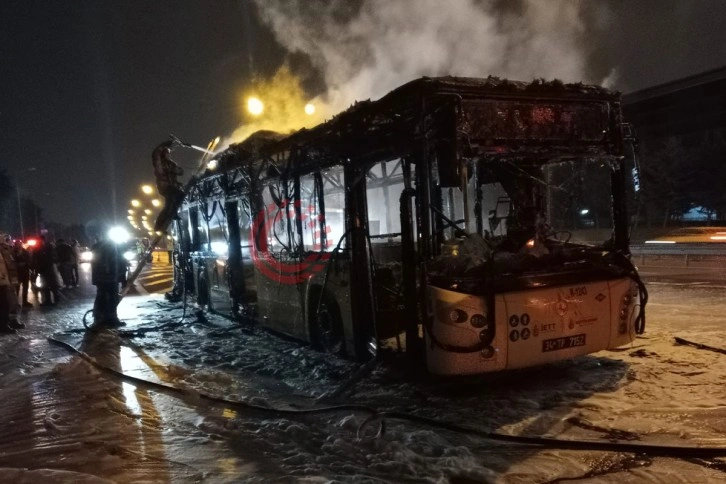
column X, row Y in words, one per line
column 529, row 249
column 530, row 327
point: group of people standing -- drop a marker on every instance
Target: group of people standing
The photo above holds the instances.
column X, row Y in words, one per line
column 20, row 268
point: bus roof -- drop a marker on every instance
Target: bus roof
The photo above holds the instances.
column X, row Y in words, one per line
column 369, row 127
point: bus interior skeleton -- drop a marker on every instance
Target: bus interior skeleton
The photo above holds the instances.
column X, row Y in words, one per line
column 444, row 220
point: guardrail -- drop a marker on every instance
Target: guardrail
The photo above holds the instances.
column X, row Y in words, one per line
column 688, row 255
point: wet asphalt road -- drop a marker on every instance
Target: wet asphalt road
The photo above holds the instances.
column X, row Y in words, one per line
column 66, row 417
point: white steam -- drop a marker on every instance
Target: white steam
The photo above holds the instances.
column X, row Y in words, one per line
column 364, row 53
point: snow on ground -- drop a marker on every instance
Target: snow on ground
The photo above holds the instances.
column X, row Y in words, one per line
column 68, row 421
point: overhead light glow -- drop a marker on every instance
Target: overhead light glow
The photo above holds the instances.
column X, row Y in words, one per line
column 155, row 202
column 309, row 109
column 135, row 203
column 147, row 211
column 255, row 106
column 148, row 189
column 212, row 165
column 131, row 212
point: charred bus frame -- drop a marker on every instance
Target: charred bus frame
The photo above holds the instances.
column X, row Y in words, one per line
column 280, row 231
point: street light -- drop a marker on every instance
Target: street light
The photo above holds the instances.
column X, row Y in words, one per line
column 20, row 205
column 20, row 211
column 255, row 106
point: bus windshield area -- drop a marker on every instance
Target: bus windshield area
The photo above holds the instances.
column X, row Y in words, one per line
column 514, row 216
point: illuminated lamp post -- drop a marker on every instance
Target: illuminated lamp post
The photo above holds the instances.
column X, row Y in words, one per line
column 20, row 211
column 254, row 106
column 20, row 205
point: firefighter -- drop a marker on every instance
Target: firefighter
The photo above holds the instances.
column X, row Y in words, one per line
column 167, row 173
column 108, row 270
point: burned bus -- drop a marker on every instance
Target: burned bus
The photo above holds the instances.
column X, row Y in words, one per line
column 445, row 219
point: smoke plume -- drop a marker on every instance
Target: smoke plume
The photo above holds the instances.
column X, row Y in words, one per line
column 364, row 49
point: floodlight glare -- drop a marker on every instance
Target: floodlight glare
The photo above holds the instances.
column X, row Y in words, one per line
column 118, row 235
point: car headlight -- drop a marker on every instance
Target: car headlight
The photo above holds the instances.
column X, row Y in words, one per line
column 130, row 255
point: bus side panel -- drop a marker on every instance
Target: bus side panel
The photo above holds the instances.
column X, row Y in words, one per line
column 280, row 308
column 556, row 323
column 219, row 290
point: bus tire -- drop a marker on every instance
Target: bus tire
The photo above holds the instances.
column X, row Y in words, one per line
column 327, row 327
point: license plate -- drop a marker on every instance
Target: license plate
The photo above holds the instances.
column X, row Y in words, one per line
column 563, row 343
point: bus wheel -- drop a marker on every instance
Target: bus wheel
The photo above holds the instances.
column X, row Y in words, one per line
column 327, row 328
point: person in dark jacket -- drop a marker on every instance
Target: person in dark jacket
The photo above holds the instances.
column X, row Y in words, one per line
column 44, row 259
column 108, row 270
column 65, row 261
column 22, row 264
column 166, row 172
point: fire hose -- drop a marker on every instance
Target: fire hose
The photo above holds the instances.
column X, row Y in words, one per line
column 375, row 415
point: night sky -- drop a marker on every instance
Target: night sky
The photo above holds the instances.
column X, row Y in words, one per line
column 90, row 87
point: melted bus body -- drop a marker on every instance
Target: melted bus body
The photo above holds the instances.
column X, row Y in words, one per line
column 444, row 217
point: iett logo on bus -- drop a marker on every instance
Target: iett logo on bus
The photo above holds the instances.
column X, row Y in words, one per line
column 295, row 269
